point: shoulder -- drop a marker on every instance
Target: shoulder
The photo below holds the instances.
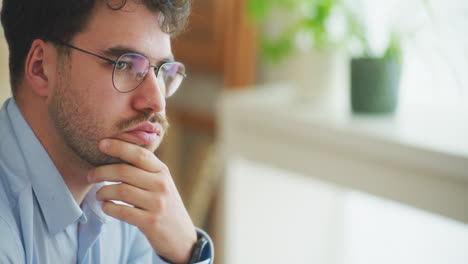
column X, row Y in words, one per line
column 11, row 250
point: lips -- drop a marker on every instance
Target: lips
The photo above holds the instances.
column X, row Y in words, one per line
column 145, row 133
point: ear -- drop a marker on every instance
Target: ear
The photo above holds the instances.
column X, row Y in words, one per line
column 38, row 66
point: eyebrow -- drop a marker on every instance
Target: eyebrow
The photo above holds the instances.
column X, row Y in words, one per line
column 119, row 50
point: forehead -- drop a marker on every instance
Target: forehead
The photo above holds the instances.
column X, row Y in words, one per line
column 133, row 26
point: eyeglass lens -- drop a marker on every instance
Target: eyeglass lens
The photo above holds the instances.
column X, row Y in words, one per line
column 131, row 69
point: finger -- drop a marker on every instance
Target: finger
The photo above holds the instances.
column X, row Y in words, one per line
column 131, row 195
column 127, row 174
column 131, row 153
column 131, row 215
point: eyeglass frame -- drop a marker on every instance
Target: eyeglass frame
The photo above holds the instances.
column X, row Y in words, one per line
column 114, row 63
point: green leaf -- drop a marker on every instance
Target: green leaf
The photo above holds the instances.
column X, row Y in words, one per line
column 276, row 50
column 258, row 9
column 394, row 48
column 315, row 24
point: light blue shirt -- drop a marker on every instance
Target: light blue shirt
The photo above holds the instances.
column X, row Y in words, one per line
column 39, row 218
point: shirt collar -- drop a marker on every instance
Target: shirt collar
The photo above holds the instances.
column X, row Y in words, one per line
column 93, row 206
column 56, row 202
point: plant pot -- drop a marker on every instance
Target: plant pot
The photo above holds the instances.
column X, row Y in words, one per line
column 318, row 77
column 375, row 84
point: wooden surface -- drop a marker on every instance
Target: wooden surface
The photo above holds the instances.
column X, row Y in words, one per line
column 220, row 39
column 194, row 120
column 201, row 46
column 240, row 54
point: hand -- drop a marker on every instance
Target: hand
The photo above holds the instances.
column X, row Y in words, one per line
column 145, row 183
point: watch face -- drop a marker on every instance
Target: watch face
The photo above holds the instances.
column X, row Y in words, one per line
column 201, row 250
column 205, row 249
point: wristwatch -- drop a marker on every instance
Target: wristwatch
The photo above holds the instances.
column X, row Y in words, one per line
column 200, row 250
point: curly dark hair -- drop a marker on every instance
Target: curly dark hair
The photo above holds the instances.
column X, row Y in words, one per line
column 26, row 20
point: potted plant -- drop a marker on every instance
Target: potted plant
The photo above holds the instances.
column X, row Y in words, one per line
column 375, row 79
column 374, row 76
column 303, row 42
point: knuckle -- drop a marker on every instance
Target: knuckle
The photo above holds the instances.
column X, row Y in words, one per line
column 164, row 168
column 160, row 185
column 160, row 204
column 153, row 219
column 142, row 155
column 163, row 187
column 155, row 182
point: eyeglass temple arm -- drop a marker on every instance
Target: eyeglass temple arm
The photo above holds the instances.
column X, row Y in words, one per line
column 109, row 60
column 82, row 50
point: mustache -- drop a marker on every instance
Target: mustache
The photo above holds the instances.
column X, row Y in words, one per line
column 145, row 117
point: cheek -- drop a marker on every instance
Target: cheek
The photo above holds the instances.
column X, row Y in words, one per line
column 108, row 106
column 91, row 77
column 104, row 105
column 93, row 95
column 97, row 87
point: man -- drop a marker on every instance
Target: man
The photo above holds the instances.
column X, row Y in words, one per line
column 90, row 80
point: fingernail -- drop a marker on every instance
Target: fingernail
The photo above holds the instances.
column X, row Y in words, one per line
column 104, row 144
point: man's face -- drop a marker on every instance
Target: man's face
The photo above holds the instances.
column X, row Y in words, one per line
column 84, row 106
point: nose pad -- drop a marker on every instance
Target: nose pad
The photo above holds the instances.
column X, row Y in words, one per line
column 140, row 76
column 151, row 97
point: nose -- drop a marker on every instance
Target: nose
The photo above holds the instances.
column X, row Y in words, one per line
column 148, row 97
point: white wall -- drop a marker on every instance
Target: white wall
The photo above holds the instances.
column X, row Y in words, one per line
column 277, row 217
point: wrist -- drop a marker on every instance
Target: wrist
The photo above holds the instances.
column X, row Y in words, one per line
column 200, row 250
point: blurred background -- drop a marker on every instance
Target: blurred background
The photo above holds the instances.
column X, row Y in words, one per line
column 323, row 131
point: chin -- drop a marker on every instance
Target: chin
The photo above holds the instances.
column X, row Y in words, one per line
column 153, row 147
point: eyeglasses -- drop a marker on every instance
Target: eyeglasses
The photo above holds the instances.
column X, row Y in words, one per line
column 130, row 70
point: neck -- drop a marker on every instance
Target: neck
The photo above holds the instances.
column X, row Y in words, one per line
column 72, row 168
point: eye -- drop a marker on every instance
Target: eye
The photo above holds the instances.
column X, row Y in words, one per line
column 121, row 65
